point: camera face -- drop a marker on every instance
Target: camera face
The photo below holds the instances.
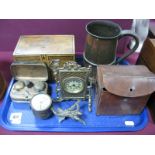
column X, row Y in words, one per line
column 23, row 91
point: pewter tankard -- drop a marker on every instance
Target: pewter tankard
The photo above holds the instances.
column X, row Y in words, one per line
column 102, row 40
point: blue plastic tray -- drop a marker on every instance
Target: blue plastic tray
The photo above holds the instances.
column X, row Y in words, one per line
column 28, row 122
column 24, row 119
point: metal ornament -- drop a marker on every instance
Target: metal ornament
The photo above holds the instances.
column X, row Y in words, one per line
column 73, row 112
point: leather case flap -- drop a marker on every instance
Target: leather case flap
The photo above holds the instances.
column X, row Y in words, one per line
column 127, row 81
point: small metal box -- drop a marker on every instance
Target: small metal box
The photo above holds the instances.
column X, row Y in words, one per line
column 45, row 48
column 30, row 80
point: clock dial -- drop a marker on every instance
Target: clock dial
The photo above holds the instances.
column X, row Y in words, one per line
column 73, row 85
column 41, row 102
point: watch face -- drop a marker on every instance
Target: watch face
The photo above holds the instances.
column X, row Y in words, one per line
column 73, row 85
column 41, row 102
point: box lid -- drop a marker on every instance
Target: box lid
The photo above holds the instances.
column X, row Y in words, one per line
column 127, row 81
column 45, row 44
column 29, row 71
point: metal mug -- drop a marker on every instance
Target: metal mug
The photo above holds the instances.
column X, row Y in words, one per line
column 102, row 40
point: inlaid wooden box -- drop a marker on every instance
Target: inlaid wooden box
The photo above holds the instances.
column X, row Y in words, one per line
column 3, row 85
column 45, row 48
column 147, row 55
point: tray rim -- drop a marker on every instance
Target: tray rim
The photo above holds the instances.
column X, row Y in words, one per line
column 76, row 129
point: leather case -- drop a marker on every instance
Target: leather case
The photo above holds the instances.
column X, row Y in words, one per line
column 123, row 90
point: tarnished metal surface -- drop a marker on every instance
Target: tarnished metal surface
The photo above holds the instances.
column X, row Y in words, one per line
column 102, row 40
column 100, row 51
column 72, row 112
column 31, row 77
column 29, row 71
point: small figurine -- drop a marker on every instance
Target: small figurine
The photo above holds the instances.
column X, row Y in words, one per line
column 72, row 112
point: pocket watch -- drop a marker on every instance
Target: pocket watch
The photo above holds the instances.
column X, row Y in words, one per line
column 41, row 106
column 73, row 82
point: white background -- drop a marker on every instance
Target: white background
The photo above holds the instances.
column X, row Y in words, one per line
column 77, row 144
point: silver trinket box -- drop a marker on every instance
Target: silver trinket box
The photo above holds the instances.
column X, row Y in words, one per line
column 30, row 79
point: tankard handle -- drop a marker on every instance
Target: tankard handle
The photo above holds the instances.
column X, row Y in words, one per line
column 128, row 33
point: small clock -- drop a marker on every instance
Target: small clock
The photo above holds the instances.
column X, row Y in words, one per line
column 73, row 82
column 41, row 106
